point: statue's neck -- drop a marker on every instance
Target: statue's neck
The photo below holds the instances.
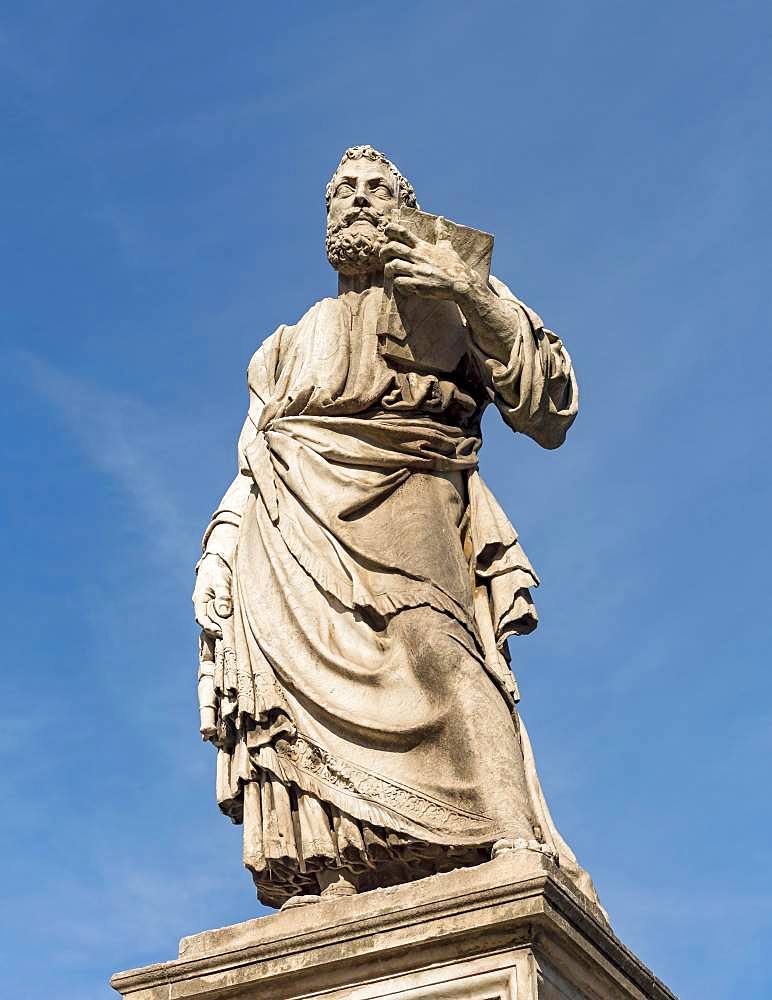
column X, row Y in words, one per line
column 359, row 282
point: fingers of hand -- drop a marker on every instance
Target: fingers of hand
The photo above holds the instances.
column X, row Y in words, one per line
column 208, row 624
column 212, row 595
column 213, row 612
column 401, row 234
column 425, row 287
column 394, row 250
column 408, row 269
column 202, row 604
column 222, row 604
column 201, row 594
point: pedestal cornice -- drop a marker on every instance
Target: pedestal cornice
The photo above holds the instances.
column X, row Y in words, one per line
column 518, row 905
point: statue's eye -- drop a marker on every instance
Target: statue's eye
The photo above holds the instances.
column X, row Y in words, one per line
column 383, row 191
column 344, row 190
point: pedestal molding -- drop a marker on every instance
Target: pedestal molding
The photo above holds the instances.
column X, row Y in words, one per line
column 508, row 904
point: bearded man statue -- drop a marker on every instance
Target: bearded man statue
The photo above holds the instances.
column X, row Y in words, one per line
column 359, row 582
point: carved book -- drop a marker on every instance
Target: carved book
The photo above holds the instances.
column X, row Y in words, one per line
column 429, row 335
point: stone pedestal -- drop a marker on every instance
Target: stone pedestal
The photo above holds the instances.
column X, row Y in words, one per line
column 512, row 929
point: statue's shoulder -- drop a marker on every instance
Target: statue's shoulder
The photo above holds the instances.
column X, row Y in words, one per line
column 287, row 331
column 277, row 345
column 311, row 316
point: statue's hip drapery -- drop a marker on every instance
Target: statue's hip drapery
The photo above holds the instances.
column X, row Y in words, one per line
column 365, row 708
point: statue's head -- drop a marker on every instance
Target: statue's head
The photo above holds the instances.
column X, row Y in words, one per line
column 360, row 197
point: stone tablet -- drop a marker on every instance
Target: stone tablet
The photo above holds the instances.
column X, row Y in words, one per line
column 430, row 335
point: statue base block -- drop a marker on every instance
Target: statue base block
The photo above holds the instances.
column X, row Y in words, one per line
column 511, row 929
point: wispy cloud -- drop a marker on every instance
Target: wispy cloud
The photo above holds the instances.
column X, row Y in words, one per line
column 123, row 915
column 120, row 435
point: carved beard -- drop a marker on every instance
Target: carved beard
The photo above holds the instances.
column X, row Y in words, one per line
column 356, row 252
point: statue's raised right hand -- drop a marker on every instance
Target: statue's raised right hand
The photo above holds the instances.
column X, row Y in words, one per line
column 212, row 594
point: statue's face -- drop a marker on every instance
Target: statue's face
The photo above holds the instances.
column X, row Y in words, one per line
column 363, row 194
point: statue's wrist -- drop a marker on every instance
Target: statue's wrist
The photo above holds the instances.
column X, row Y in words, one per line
column 469, row 290
column 221, row 540
column 216, row 555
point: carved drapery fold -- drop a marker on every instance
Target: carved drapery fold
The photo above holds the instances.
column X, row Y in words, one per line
column 346, row 664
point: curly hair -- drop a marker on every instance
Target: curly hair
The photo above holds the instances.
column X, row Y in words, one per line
column 406, row 192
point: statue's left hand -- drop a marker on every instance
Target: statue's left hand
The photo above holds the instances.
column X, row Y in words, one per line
column 429, row 270
column 212, row 599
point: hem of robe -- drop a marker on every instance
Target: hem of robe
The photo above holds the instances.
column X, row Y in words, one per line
column 279, row 877
column 361, row 793
column 290, row 837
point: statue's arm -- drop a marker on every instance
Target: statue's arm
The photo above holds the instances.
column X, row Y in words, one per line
column 528, row 371
column 525, row 368
column 222, row 531
column 212, row 593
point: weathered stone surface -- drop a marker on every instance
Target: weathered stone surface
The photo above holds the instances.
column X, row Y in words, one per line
column 511, row 929
column 359, row 582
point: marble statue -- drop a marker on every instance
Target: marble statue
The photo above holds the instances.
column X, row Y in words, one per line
column 359, row 581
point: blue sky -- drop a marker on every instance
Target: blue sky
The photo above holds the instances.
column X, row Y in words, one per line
column 163, row 168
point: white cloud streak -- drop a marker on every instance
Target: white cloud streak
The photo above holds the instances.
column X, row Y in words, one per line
column 120, row 435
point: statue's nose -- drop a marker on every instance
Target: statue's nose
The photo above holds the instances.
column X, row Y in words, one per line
column 361, row 200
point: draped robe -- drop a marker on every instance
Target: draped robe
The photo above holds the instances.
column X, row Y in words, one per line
column 361, row 698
